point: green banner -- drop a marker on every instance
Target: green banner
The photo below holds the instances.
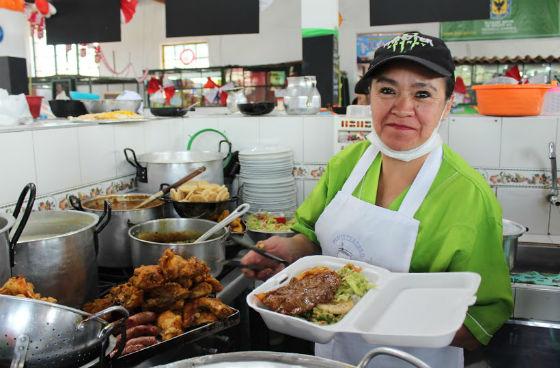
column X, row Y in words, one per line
column 508, row 19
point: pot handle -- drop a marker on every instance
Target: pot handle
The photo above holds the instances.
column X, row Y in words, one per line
column 75, row 202
column 32, row 191
column 103, row 221
column 103, row 335
column 398, row 354
column 141, row 171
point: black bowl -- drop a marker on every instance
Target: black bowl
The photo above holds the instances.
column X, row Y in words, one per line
column 256, row 108
column 202, row 210
column 66, row 108
column 168, row 111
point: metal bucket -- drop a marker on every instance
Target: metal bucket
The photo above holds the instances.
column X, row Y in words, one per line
column 42, row 334
column 154, row 169
column 57, row 253
column 114, row 242
column 148, row 252
column 6, row 223
column 511, row 233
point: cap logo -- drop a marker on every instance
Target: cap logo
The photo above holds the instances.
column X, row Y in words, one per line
column 407, row 41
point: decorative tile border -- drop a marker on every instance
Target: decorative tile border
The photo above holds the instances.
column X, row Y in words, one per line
column 59, row 201
column 309, row 171
column 531, row 179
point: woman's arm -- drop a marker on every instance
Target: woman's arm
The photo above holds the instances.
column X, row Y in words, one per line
column 465, row 339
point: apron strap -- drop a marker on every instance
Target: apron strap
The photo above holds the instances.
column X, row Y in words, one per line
column 360, row 170
column 422, row 183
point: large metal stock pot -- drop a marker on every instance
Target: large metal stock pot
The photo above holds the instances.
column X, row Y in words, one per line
column 511, row 233
column 6, row 223
column 114, row 242
column 154, row 169
column 57, row 253
column 145, row 252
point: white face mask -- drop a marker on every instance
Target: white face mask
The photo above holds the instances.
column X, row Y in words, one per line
column 431, row 143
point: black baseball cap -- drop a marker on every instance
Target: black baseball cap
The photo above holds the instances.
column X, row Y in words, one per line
column 430, row 52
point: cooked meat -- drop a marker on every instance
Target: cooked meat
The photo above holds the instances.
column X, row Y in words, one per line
column 316, row 286
column 174, row 266
column 147, row 277
column 139, row 331
column 99, row 304
column 216, row 285
column 19, row 286
column 164, row 297
column 142, row 318
column 171, row 325
column 202, row 318
column 128, row 296
column 201, row 290
column 214, row 306
column 189, row 314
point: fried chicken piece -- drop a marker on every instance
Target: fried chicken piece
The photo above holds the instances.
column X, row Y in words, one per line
column 189, row 314
column 128, row 296
column 171, row 325
column 185, row 282
column 165, row 296
column 174, row 266
column 200, row 290
column 147, row 277
column 49, row 299
column 18, row 286
column 214, row 306
column 216, row 285
column 99, row 304
column 202, row 318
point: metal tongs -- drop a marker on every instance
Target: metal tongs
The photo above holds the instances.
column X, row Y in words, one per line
column 247, row 244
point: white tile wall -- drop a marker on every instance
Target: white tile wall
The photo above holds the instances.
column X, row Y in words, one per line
column 97, row 153
column 554, row 226
column 57, row 158
column 17, row 164
column 525, row 142
column 444, row 131
column 285, row 131
column 317, row 139
column 299, row 188
column 178, row 134
column 308, row 186
column 526, row 206
column 207, row 141
column 157, row 135
column 128, row 136
column 467, row 136
column 242, row 132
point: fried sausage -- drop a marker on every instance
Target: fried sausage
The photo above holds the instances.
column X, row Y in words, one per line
column 143, row 340
column 142, row 318
column 137, row 331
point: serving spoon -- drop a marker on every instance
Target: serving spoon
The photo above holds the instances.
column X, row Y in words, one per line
column 239, row 211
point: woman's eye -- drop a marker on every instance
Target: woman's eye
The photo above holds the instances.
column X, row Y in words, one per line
column 423, row 94
column 386, row 91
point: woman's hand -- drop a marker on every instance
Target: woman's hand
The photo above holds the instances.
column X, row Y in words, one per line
column 291, row 249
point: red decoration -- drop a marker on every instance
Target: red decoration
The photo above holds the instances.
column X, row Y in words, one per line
column 154, row 85
column 460, row 86
column 128, row 9
column 513, row 72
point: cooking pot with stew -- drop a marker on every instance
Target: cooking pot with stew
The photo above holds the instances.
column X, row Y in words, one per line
column 114, row 243
column 151, row 238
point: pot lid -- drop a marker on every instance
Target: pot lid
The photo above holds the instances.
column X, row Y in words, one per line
column 180, row 157
column 513, row 228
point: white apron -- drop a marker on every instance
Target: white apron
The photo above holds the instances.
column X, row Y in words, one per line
column 354, row 229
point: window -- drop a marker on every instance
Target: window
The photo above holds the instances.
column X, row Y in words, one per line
column 185, row 56
column 48, row 60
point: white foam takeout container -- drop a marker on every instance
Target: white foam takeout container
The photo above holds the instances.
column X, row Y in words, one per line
column 403, row 309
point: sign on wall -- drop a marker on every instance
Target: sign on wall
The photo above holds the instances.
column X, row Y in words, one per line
column 366, row 44
column 508, row 19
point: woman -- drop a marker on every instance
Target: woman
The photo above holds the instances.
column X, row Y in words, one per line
column 403, row 201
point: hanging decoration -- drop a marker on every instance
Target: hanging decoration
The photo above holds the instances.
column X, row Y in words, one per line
column 128, row 9
column 36, row 14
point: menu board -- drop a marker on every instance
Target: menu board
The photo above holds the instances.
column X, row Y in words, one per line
column 211, row 17
column 84, row 21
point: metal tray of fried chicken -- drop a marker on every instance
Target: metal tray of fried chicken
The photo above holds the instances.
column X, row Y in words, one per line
column 177, row 296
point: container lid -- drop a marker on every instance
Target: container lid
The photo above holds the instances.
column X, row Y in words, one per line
column 512, row 228
column 180, row 157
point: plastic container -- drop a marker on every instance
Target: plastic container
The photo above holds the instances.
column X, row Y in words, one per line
column 510, row 100
column 551, row 104
column 34, row 103
column 417, row 310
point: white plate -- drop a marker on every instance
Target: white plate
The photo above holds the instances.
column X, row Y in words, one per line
column 265, row 150
column 417, row 310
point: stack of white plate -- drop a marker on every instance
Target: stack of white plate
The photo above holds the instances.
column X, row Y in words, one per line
column 266, row 178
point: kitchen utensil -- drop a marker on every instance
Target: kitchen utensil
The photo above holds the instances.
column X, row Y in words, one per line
column 154, row 169
column 302, row 96
column 114, row 243
column 202, row 210
column 239, row 211
column 166, row 189
column 168, row 111
column 511, row 233
column 7, row 222
column 237, row 263
column 249, row 245
column 256, row 108
column 384, row 314
column 510, row 100
column 259, row 359
column 66, row 108
column 55, row 335
column 146, row 252
column 57, row 253
column 235, row 96
column 96, row 106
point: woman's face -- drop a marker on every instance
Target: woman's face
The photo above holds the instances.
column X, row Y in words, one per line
column 407, row 103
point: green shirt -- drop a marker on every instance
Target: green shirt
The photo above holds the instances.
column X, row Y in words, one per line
column 460, row 228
